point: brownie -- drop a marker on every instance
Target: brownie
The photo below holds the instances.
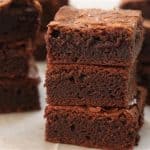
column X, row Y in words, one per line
column 50, row 7
column 19, row 94
column 90, row 85
column 145, row 53
column 93, row 36
column 142, row 5
column 40, row 51
column 15, row 58
column 95, row 126
column 19, row 19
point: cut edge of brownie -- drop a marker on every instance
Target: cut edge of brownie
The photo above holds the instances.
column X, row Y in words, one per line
column 72, row 80
column 79, row 125
column 94, row 32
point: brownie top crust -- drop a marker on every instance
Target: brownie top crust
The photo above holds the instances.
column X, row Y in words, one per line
column 96, row 18
column 6, row 3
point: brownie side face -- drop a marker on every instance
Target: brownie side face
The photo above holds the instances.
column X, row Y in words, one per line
column 94, row 36
column 142, row 5
column 19, row 20
column 17, row 95
column 89, row 85
column 92, row 127
column 14, row 58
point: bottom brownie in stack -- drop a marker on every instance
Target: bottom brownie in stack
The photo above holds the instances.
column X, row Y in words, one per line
column 96, row 126
column 20, row 94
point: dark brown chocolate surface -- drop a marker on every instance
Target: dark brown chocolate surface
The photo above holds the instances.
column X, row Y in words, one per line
column 15, row 58
column 95, row 36
column 145, row 53
column 19, row 94
column 50, row 7
column 40, row 51
column 90, row 85
column 142, row 5
column 19, row 20
column 94, row 126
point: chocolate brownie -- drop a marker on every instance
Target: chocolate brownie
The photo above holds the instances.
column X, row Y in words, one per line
column 14, row 58
column 145, row 53
column 19, row 94
column 50, row 7
column 95, row 126
column 90, row 85
column 40, row 51
column 94, row 36
column 19, row 19
column 142, row 5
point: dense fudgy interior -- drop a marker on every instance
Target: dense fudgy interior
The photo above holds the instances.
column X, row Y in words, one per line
column 18, row 95
column 92, row 126
column 102, row 47
column 89, row 85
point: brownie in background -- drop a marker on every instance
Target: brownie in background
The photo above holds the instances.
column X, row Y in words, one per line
column 19, row 25
column 143, row 5
column 19, row 19
column 20, row 94
column 50, row 7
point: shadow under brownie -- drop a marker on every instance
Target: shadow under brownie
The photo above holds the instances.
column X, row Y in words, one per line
column 95, row 126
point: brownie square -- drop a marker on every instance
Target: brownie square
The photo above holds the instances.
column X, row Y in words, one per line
column 95, row 126
column 90, row 85
column 15, row 58
column 19, row 19
column 50, row 7
column 142, row 5
column 94, row 36
column 19, row 94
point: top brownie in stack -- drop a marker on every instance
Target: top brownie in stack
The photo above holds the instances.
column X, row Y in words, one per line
column 19, row 19
column 143, row 5
column 112, row 38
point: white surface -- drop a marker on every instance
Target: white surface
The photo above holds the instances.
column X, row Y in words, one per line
column 25, row 131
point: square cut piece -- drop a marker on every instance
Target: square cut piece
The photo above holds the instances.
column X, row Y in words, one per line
column 19, row 94
column 95, row 126
column 19, row 19
column 142, row 5
column 15, row 59
column 93, row 36
column 90, row 85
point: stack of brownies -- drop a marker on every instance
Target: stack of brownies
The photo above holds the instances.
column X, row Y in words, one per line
column 92, row 96
column 144, row 67
column 50, row 7
column 19, row 22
